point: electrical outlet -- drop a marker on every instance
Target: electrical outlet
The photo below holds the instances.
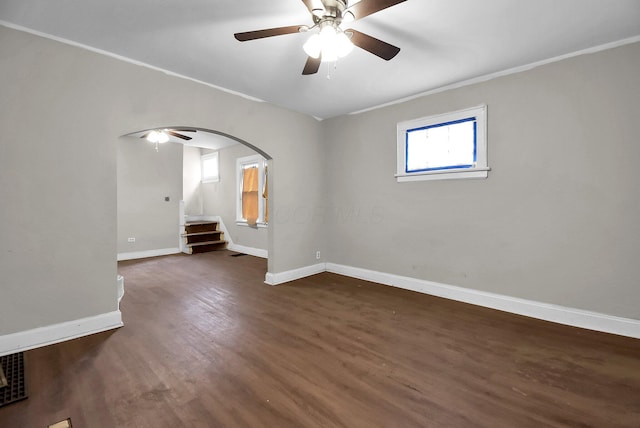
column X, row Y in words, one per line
column 131, row 240
column 318, row 255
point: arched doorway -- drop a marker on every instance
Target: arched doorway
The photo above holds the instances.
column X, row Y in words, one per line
column 144, row 170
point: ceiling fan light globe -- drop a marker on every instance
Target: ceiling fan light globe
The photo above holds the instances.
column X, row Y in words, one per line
column 153, row 136
column 347, row 18
column 313, row 46
column 328, row 35
column 343, row 46
column 329, row 54
column 162, row 137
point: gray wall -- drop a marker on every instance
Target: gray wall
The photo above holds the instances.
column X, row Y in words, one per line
column 63, row 110
column 557, row 219
column 145, row 178
column 57, row 183
column 191, row 178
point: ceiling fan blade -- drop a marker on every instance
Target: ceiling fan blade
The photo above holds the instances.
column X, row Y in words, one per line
column 183, row 130
column 145, row 135
column 367, row 7
column 175, row 134
column 270, row 32
column 377, row 47
column 312, row 66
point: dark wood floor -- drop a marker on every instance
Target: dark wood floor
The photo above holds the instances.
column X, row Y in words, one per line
column 207, row 344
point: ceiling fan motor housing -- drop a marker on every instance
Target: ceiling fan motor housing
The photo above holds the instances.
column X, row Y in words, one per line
column 332, row 9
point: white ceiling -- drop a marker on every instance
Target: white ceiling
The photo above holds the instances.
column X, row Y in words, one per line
column 443, row 42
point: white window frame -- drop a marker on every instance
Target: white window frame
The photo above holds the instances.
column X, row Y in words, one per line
column 478, row 170
column 242, row 163
column 203, row 159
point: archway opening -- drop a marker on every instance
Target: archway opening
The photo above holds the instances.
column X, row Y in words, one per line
column 161, row 191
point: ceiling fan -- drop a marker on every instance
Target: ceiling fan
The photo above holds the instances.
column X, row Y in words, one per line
column 332, row 41
column 162, row 135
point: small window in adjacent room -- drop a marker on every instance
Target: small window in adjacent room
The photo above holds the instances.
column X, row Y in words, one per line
column 446, row 146
column 209, row 167
column 252, row 207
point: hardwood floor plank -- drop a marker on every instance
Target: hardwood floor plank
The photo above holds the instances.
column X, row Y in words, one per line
column 207, row 344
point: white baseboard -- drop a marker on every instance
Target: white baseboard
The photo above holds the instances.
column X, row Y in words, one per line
column 544, row 311
column 292, row 275
column 149, row 253
column 43, row 336
column 258, row 252
column 555, row 313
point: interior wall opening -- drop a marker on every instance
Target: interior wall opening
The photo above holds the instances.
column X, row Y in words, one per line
column 162, row 189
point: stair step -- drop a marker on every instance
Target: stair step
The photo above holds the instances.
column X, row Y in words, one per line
column 196, row 244
column 203, row 236
column 206, row 247
column 207, row 232
column 201, row 226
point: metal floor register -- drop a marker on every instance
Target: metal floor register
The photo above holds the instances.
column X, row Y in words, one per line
column 12, row 382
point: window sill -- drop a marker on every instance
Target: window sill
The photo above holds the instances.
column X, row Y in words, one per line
column 444, row 174
column 259, row 225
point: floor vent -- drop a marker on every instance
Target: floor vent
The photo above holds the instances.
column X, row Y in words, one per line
column 13, row 369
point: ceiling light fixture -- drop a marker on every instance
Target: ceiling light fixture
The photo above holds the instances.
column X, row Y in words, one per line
column 330, row 43
column 157, row 137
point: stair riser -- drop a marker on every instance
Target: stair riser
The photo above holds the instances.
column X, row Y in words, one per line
column 196, row 228
column 208, row 248
column 215, row 236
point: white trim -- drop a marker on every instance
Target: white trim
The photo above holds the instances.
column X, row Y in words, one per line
column 241, row 163
column 478, row 170
column 148, row 253
column 56, row 333
column 181, row 217
column 447, row 174
column 258, row 252
column 223, row 228
column 503, row 73
column 292, row 275
column 544, row 311
column 125, row 59
column 259, row 225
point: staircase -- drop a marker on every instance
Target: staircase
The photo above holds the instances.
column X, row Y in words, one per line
column 203, row 236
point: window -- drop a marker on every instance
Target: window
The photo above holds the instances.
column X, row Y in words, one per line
column 209, row 167
column 446, row 146
column 252, row 208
